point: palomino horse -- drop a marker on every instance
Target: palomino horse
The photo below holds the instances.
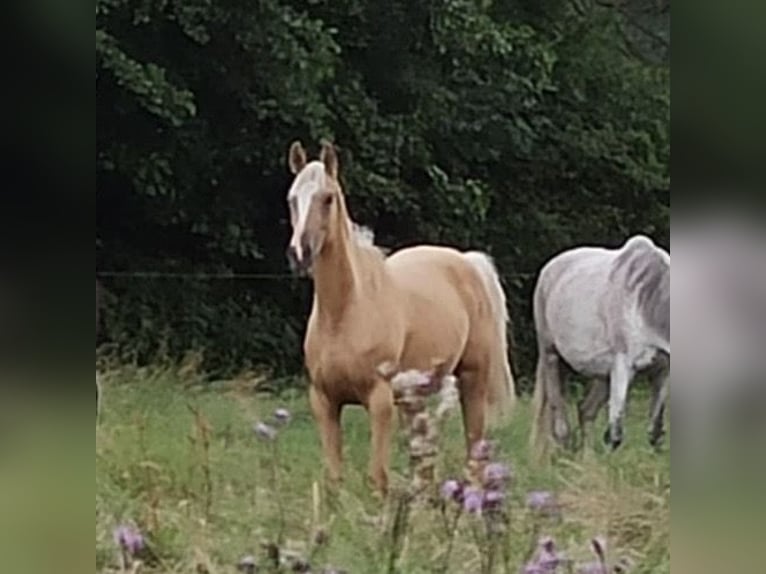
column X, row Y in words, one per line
column 420, row 307
column 606, row 314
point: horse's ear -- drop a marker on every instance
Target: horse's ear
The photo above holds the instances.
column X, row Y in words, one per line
column 329, row 158
column 296, row 157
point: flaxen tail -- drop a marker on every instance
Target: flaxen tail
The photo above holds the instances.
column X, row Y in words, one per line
column 502, row 389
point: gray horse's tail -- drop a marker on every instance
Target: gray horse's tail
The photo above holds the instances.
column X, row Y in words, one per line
column 502, row 388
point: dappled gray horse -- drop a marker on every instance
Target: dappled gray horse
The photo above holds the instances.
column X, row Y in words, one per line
column 606, row 314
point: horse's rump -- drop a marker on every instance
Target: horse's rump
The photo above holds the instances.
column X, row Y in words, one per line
column 448, row 285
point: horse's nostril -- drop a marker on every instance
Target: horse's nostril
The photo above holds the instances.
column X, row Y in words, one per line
column 292, row 257
column 306, row 248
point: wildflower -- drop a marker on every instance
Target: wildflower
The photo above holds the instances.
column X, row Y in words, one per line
column 128, row 539
column 282, row 415
column 473, row 499
column 412, row 380
column 448, row 396
column 481, row 450
column 542, row 501
column 264, row 431
column 421, row 447
column 421, row 424
column 451, row 490
column 246, row 565
column 547, row 559
column 493, row 499
column 495, row 475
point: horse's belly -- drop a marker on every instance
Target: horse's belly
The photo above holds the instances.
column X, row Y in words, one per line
column 587, row 361
column 423, row 351
column 581, row 341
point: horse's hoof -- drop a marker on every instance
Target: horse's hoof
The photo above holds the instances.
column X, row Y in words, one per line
column 613, row 437
column 561, row 431
column 656, row 438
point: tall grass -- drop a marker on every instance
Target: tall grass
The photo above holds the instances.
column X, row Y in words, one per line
column 181, row 463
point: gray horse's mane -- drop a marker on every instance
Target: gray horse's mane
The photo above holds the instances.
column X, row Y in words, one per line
column 647, row 273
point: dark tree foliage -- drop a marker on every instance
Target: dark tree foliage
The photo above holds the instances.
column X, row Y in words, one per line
column 517, row 127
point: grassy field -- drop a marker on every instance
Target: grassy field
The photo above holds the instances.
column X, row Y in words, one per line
column 181, row 462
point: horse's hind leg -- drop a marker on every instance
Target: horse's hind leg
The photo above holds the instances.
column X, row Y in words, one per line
column 327, row 415
column 474, row 394
column 380, row 406
column 659, row 382
column 549, row 371
column 590, row 406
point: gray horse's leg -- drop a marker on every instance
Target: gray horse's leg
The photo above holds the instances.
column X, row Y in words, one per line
column 549, row 368
column 619, row 381
column 660, row 386
column 590, row 406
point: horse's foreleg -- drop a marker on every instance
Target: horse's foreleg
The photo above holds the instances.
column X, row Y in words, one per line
column 657, row 413
column 327, row 416
column 590, row 406
column 619, row 381
column 380, row 406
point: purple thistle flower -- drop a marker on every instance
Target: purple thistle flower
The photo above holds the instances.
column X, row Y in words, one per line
column 282, row 415
column 473, row 499
column 128, row 539
column 481, row 450
column 493, row 499
column 542, row 501
column 424, row 385
column 451, row 489
column 547, row 559
column 264, row 431
column 495, row 475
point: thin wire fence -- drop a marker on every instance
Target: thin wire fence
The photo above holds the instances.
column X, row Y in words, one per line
column 203, row 276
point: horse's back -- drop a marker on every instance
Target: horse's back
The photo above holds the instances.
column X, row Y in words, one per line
column 428, row 268
column 574, row 278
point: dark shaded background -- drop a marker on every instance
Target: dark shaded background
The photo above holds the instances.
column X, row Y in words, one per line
column 520, row 128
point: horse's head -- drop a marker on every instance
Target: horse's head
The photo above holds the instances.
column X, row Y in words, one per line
column 315, row 204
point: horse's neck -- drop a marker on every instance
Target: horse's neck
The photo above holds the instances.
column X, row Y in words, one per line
column 336, row 276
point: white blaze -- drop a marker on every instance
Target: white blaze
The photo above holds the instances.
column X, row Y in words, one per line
column 306, row 184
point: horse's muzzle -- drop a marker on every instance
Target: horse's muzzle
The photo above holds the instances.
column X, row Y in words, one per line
column 301, row 266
